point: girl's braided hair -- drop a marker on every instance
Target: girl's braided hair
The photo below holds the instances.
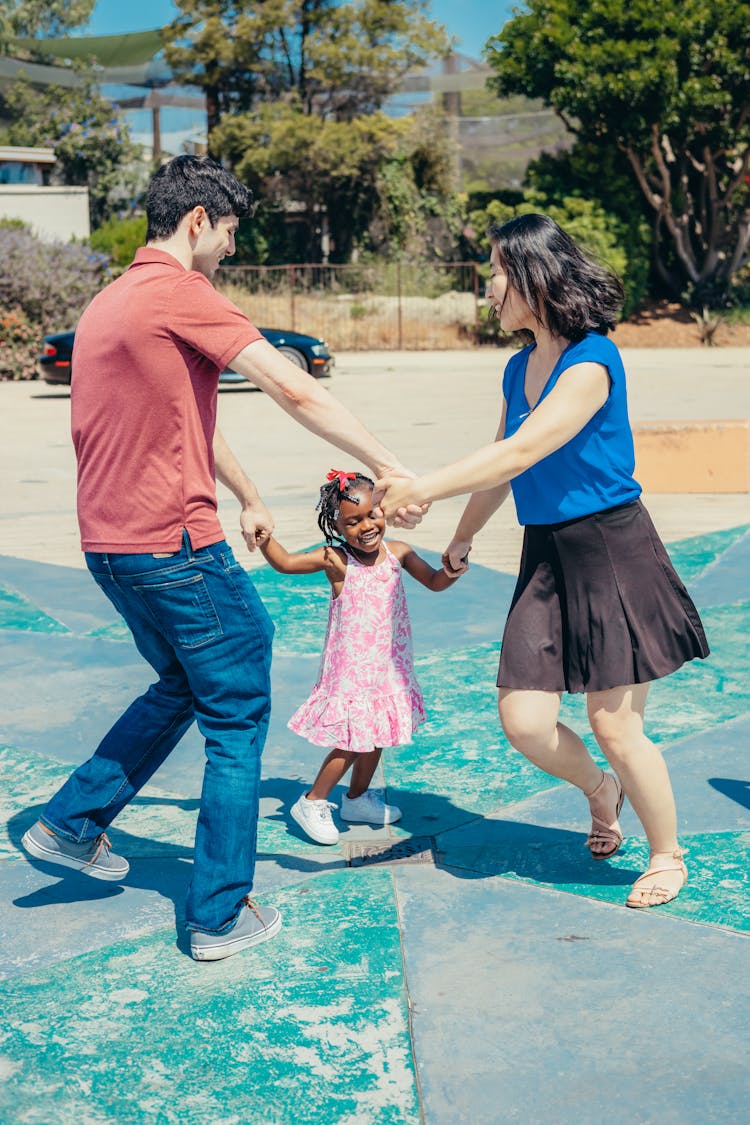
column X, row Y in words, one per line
column 340, row 487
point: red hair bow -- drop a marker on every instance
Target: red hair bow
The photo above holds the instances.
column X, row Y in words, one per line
column 337, row 474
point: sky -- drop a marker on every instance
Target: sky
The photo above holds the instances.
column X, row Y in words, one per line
column 472, row 22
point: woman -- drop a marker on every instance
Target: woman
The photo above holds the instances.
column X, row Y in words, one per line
column 598, row 607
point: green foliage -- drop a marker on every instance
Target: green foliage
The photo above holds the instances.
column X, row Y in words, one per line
column 603, row 176
column 330, row 169
column 294, row 91
column 14, row 224
column 91, row 143
column 375, row 182
column 41, row 17
column 119, row 239
column 338, row 59
column 668, row 85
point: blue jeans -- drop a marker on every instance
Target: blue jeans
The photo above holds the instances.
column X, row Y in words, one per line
column 198, row 621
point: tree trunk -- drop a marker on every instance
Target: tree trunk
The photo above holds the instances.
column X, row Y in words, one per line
column 213, row 117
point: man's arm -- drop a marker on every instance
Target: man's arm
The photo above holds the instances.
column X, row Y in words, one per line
column 256, row 522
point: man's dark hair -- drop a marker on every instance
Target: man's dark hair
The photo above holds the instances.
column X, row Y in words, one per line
column 192, row 181
column 564, row 288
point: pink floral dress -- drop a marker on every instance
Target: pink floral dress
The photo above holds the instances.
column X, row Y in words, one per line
column 366, row 695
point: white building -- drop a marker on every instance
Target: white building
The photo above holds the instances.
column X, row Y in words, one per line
column 55, row 214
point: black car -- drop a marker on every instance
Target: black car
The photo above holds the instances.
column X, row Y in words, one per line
column 307, row 352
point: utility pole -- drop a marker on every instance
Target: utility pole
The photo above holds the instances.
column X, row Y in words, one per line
column 452, row 107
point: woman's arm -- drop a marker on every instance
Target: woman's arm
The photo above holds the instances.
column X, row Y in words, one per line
column 570, row 405
column 479, row 509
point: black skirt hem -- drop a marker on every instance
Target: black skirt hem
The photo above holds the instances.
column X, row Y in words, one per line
column 598, row 605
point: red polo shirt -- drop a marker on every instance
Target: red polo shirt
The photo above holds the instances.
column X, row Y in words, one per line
column 146, row 361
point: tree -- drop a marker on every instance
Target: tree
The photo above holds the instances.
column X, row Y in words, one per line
column 668, row 85
column 92, row 144
column 339, row 59
column 328, row 171
column 20, row 18
column 295, row 90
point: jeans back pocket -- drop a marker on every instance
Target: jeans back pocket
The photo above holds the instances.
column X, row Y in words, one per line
column 183, row 610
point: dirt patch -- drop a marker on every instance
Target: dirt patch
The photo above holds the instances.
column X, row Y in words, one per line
column 666, row 325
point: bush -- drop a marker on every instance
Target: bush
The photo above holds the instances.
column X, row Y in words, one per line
column 49, row 282
column 119, row 239
column 19, row 345
column 598, row 231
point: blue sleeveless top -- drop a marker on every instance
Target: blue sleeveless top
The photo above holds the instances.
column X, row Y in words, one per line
column 594, row 470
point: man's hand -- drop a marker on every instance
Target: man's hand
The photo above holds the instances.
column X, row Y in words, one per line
column 256, row 524
column 455, row 557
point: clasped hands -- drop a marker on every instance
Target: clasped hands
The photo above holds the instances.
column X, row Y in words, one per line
column 400, row 498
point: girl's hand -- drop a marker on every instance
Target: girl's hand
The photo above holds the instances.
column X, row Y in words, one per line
column 455, row 557
column 256, row 524
column 410, row 517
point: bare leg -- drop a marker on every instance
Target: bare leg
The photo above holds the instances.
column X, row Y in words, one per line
column 330, row 773
column 530, row 722
column 616, row 718
column 362, row 774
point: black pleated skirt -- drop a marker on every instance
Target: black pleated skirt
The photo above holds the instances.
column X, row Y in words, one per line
column 597, row 605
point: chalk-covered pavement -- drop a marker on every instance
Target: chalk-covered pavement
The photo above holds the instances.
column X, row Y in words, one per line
column 470, row 964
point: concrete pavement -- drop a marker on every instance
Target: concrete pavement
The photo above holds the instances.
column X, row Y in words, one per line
column 481, row 968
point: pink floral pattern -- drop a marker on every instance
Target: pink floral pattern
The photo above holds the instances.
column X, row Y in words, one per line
column 366, row 694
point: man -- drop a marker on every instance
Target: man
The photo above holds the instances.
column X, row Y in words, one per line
column 148, row 353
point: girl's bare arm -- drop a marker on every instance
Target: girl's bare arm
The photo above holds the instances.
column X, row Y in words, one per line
column 420, row 569
column 305, row 562
column 299, row 562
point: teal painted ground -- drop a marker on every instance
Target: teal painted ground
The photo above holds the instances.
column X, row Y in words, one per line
column 483, row 989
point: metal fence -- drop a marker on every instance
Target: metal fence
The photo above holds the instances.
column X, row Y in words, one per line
column 358, row 307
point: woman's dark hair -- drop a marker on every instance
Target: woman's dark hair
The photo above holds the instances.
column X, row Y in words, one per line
column 331, row 496
column 191, row 181
column 564, row 288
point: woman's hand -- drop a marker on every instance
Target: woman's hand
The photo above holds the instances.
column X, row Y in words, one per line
column 408, row 516
column 401, row 500
column 455, row 557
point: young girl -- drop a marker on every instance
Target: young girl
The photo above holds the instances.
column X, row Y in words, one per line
column 598, row 607
column 366, row 696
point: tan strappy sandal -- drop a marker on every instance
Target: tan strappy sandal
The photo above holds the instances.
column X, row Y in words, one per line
column 603, row 832
column 656, row 895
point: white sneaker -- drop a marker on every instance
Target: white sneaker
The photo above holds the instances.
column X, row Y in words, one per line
column 314, row 818
column 370, row 808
